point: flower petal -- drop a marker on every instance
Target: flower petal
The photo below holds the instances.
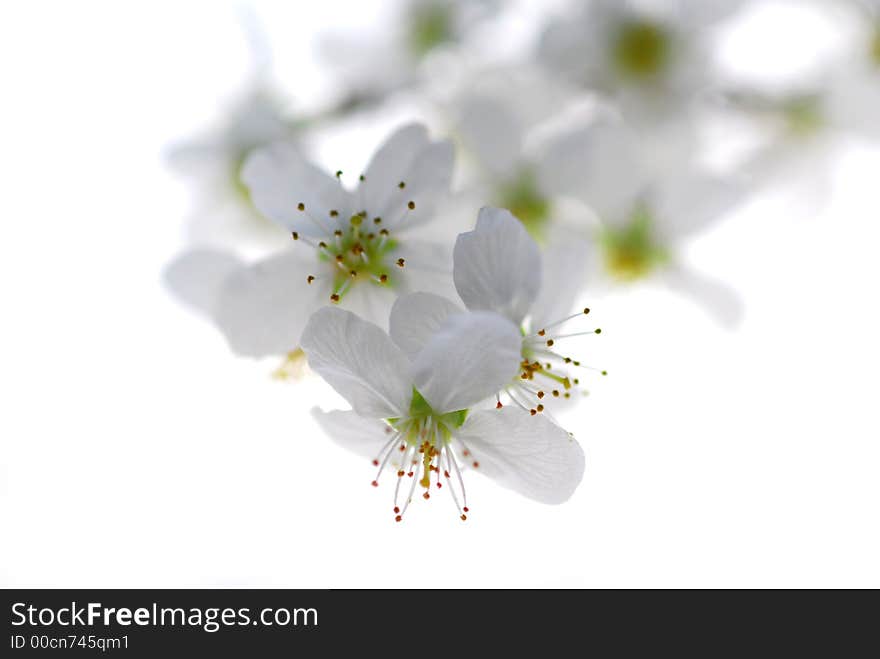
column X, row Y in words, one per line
column 410, row 157
column 262, row 308
column 493, row 132
column 599, row 164
column 720, row 300
column 279, row 179
column 566, row 259
column 360, row 361
column 197, row 277
column 497, row 266
column 530, row 455
column 416, row 317
column 470, row 358
column 690, row 201
column 351, row 431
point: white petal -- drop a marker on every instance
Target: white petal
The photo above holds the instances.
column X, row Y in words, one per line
column 497, row 266
column 428, row 268
column 416, row 317
column 720, row 300
column 566, row 260
column 690, row 201
column 279, row 179
column 360, row 361
column 493, row 132
column 600, row 164
column 197, row 277
column 530, row 455
column 262, row 308
column 410, row 157
column 471, row 357
column 354, row 432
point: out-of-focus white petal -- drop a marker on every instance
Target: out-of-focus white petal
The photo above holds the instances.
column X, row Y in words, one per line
column 360, row 361
column 720, row 300
column 690, row 201
column 530, row 455
column 262, row 308
column 280, row 178
column 600, row 164
column 416, row 317
column 566, row 260
column 471, row 357
column 197, row 277
column 428, row 268
column 351, row 431
column 491, row 131
column 408, row 156
column 497, row 266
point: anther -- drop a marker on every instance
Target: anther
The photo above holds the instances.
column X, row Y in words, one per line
column 375, row 463
column 533, row 411
column 401, row 262
column 377, row 220
column 334, row 298
column 411, row 205
column 401, row 185
column 300, row 206
column 586, row 310
column 463, row 518
column 549, row 343
column 540, row 408
column 295, row 235
column 396, row 509
column 542, row 332
column 334, row 213
column 476, row 465
column 375, row 483
column 338, row 173
column 426, row 496
column 598, row 330
column 361, row 178
column 498, row 405
column 383, row 279
column 540, row 394
column 398, row 518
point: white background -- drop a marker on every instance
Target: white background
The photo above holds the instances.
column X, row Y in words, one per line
column 136, row 451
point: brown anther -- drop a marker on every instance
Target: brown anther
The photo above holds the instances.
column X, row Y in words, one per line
column 334, row 298
column 426, row 495
column 401, row 185
column 533, row 411
column 401, row 473
column 384, row 232
column 383, row 278
column 439, row 485
column 353, row 273
column 465, row 453
column 555, row 393
column 375, row 463
column 411, row 205
column 340, row 258
column 540, row 394
column 338, row 173
column 300, row 206
column 377, row 220
column 476, row 465
column 375, row 483
column 398, row 518
column 598, row 330
column 396, row 509
column 334, row 213
column 576, row 381
column 401, row 262
column 586, row 310
column 410, row 474
column 549, row 343
column 567, row 360
column 310, row 278
column 540, row 408
column 542, row 332
column 465, row 509
column 463, row 518
column 498, row 405
column 322, row 245
column 446, row 473
column 295, row 235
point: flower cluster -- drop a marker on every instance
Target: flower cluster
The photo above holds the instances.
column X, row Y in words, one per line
column 587, row 150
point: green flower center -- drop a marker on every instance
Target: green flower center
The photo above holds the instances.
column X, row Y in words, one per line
column 522, row 197
column 641, row 49
column 631, row 251
column 430, row 26
column 359, row 253
column 242, row 192
column 803, row 116
column 874, row 47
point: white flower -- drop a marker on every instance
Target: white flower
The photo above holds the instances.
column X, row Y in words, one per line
column 356, row 248
column 498, row 268
column 497, row 115
column 648, row 57
column 372, row 66
column 413, row 413
column 643, row 213
column 214, row 162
